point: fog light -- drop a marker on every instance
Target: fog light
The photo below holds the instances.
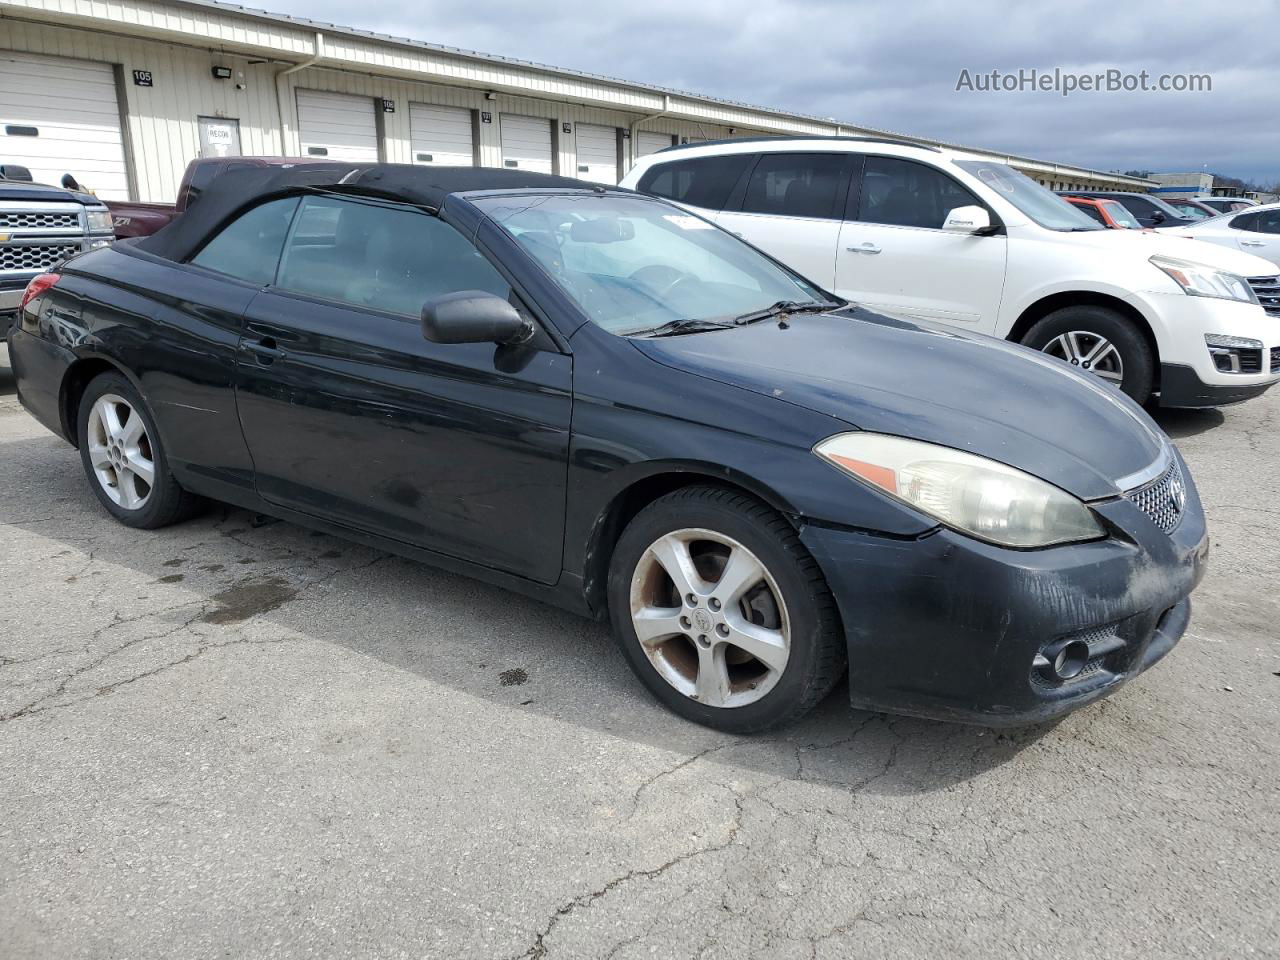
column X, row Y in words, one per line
column 1065, row 663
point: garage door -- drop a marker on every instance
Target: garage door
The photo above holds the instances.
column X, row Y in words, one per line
column 60, row 116
column 597, row 153
column 337, row 126
column 526, row 143
column 441, row 135
column 649, row 142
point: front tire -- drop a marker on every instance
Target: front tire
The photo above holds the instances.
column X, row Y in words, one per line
column 1101, row 341
column 124, row 459
column 722, row 613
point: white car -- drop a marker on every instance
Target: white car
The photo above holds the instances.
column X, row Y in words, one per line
column 1226, row 204
column 1253, row 230
column 944, row 236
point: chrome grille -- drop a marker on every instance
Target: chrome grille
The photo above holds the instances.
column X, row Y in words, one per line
column 1267, row 290
column 23, row 258
column 1156, row 499
column 38, row 220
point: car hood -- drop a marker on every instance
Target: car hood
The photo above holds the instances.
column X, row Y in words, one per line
column 22, row 190
column 1175, row 242
column 919, row 380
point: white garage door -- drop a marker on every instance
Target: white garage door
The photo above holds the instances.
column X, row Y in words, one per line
column 597, row 153
column 526, row 143
column 337, row 126
column 649, row 142
column 441, row 135
column 60, row 116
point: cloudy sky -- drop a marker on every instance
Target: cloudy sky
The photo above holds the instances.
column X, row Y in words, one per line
column 896, row 66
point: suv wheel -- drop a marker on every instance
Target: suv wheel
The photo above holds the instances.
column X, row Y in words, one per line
column 123, row 458
column 1101, row 341
column 722, row 613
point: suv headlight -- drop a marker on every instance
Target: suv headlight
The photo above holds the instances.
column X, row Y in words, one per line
column 100, row 221
column 1197, row 280
column 979, row 497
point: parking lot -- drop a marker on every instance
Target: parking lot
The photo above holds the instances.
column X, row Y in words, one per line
column 234, row 737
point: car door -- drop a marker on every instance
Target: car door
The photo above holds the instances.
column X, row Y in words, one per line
column 792, row 208
column 352, row 416
column 894, row 255
column 1258, row 232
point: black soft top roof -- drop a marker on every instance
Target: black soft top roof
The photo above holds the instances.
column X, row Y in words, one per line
column 423, row 186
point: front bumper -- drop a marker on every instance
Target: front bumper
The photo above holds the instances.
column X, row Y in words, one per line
column 949, row 628
column 1180, row 324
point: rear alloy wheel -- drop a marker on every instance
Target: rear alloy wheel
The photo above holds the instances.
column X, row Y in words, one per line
column 1100, row 341
column 120, row 452
column 722, row 613
column 124, row 459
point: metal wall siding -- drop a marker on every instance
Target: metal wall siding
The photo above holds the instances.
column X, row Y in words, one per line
column 171, row 41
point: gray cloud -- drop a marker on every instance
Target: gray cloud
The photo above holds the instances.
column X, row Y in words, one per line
column 895, row 66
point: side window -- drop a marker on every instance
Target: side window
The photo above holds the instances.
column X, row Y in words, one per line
column 249, row 247
column 380, row 256
column 1138, row 206
column 1089, row 210
column 1268, row 221
column 797, row 185
column 909, row 194
column 1246, row 221
column 701, row 181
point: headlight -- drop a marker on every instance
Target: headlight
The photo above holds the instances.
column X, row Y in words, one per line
column 977, row 496
column 100, row 221
column 1197, row 280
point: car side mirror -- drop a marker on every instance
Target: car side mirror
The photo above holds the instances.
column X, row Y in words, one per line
column 70, row 182
column 967, row 220
column 473, row 316
column 1158, row 217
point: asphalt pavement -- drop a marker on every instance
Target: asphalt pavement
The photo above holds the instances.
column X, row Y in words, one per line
column 238, row 738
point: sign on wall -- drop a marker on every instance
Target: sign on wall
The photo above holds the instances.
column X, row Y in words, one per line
column 142, row 78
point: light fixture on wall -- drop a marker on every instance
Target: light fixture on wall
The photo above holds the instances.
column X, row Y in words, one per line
column 221, row 73
column 490, row 95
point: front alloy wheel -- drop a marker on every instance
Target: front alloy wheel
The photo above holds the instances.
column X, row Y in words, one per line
column 1088, row 351
column 710, row 618
column 721, row 611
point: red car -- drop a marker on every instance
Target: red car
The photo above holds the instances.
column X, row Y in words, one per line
column 1109, row 213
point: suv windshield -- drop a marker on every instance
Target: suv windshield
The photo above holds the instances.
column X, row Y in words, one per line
column 1043, row 206
column 634, row 265
column 1121, row 215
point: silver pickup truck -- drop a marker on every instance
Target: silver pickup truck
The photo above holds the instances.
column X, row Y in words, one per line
column 40, row 226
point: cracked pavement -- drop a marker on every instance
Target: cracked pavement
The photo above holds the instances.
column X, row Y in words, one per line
column 235, row 737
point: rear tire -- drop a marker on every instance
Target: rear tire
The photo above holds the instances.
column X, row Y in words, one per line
column 124, row 458
column 1101, row 341
column 745, row 586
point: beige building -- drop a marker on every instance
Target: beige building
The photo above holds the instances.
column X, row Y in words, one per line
column 124, row 93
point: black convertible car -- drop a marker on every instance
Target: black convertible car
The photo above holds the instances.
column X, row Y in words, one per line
column 599, row 399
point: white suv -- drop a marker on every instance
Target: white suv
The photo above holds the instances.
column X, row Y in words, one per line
column 949, row 237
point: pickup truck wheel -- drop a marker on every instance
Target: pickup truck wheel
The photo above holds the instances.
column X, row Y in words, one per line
column 722, row 613
column 1101, row 341
column 123, row 458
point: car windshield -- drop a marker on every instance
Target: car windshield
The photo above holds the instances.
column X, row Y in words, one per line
column 1121, row 215
column 1043, row 206
column 1188, row 210
column 634, row 265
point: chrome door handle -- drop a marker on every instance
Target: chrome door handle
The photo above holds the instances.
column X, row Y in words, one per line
column 864, row 248
column 265, row 350
column 1252, row 243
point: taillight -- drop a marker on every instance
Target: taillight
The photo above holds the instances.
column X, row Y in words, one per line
column 37, row 286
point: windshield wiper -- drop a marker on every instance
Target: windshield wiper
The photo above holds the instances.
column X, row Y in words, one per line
column 674, row 328
column 787, row 306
